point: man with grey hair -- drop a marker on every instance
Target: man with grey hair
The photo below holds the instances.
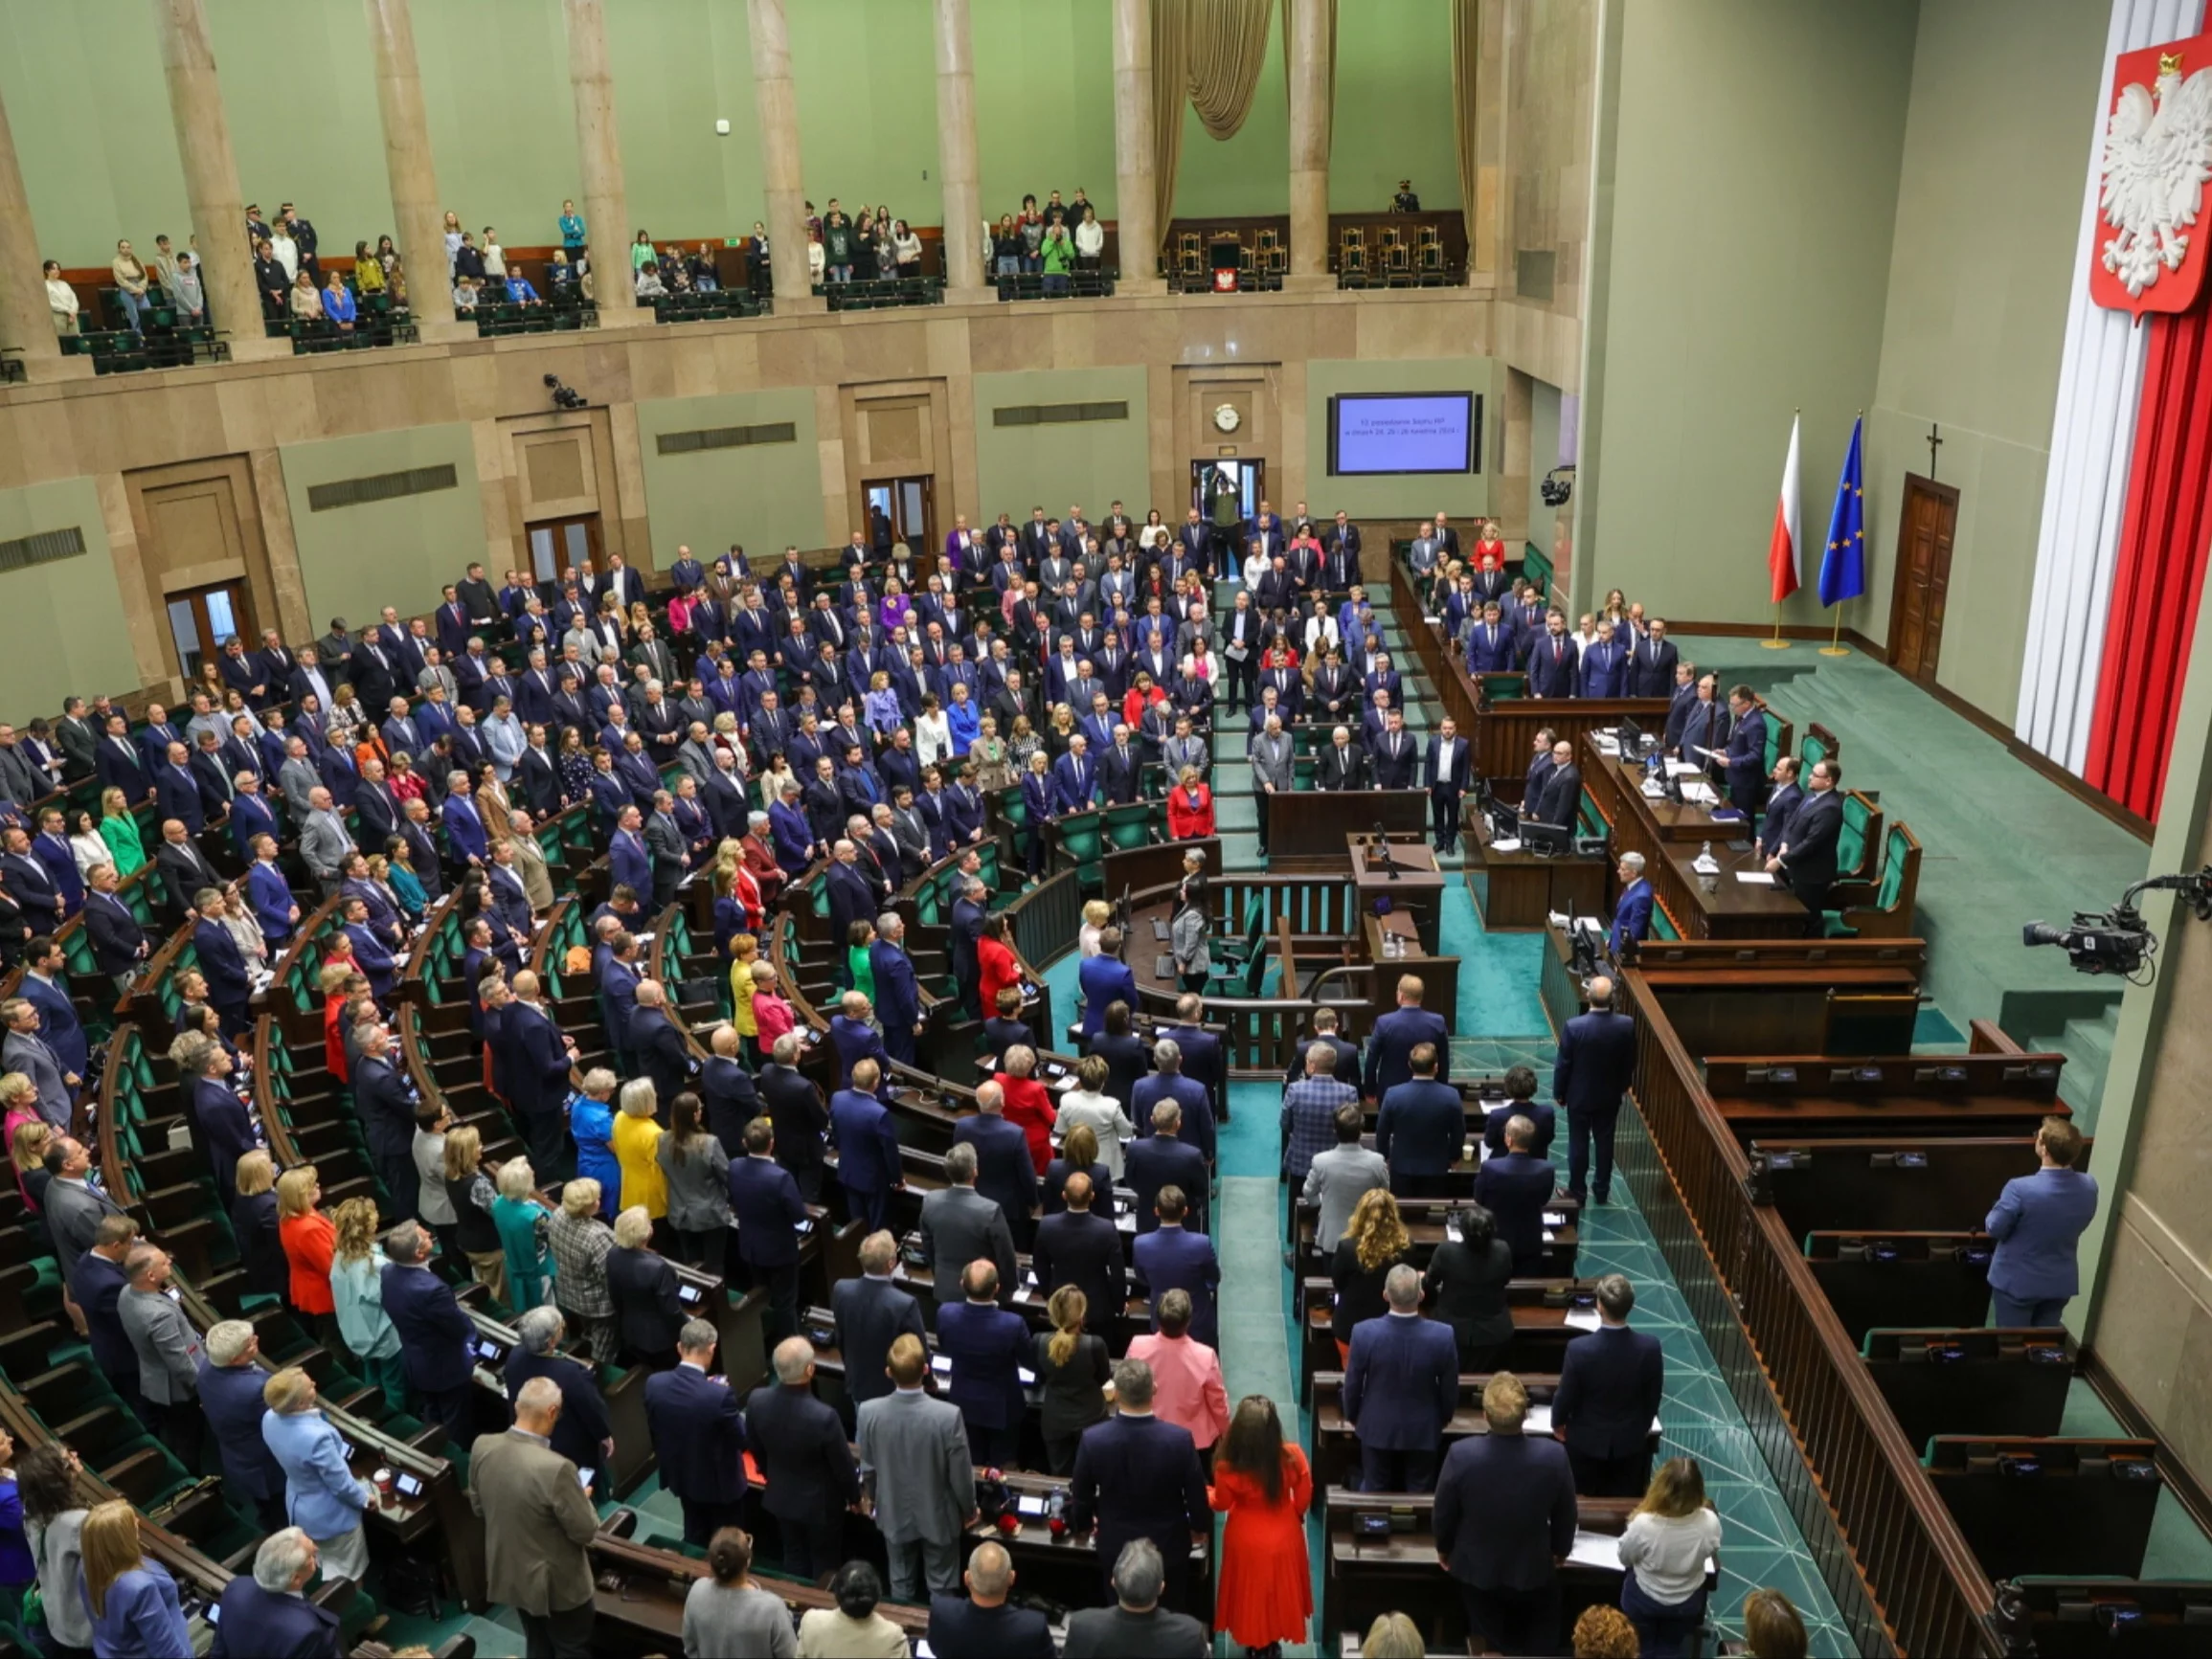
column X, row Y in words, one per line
column 1138, row 1477
column 960, row 1226
column 698, row 1436
column 1135, row 1623
column 436, row 1336
column 981, row 1621
column 805, row 1459
column 586, row 1432
column 794, row 1105
column 1401, row 1388
column 324, row 841
column 872, row 1313
column 169, row 1352
column 969, row 910
column 1632, row 916
column 1168, row 1083
column 1272, row 768
column 268, row 1611
column 230, row 1385
column 538, row 1523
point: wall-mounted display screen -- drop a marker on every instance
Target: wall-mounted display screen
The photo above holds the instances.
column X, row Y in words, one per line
column 1403, row 431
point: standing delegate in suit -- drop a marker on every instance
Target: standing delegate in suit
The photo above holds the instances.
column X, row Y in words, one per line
column 1079, row 1249
column 1650, row 662
column 538, row 1521
column 917, row 1478
column 898, row 997
column 1558, row 795
column 1422, row 1123
column 1782, row 802
column 230, row 1389
column 698, row 1436
column 586, row 1435
column 1446, row 777
column 1162, row 1159
column 766, row 1209
column 1610, row 1384
column 1104, row 980
column 267, row 1611
column 962, row 1223
column 169, row 1353
column 1514, row 1188
column 1632, row 916
column 1397, row 1034
column 1806, row 860
column 1173, row 1258
column 1136, row 1624
column 987, row 1346
column 2038, row 1223
column 1747, row 752
column 871, row 1313
column 805, row 1460
column 1341, row 764
column 1138, row 1477
column 1554, row 659
column 867, row 1160
column 1505, row 1514
column 1401, row 1388
column 435, row 1334
column 1589, row 1079
column 981, row 1621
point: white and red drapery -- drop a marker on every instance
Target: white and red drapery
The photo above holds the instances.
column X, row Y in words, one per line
column 2126, row 518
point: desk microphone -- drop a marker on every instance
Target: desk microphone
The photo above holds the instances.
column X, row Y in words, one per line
column 1383, row 846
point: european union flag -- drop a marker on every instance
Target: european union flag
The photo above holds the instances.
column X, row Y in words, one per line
column 1843, row 561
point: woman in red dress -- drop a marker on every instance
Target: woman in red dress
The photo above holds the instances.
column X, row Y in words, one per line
column 995, row 965
column 1191, row 807
column 1028, row 1103
column 1264, row 1485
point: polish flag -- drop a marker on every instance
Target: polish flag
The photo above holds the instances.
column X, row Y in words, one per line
column 1782, row 549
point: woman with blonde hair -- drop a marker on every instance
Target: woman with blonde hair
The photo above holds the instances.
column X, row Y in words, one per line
column 307, row 1239
column 1665, row 1546
column 470, row 1192
column 1373, row 1243
column 1772, row 1629
column 989, row 752
column 1191, row 807
column 1393, row 1636
column 637, row 1144
column 357, row 1285
column 580, row 1242
column 259, row 1226
column 119, row 829
column 524, row 1228
column 27, row 1144
column 1076, row 1376
column 133, row 1600
column 1096, row 913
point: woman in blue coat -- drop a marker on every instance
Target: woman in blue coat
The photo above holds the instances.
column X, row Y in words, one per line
column 592, row 1122
column 132, row 1599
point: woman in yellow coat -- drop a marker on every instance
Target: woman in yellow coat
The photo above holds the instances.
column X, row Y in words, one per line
column 637, row 1143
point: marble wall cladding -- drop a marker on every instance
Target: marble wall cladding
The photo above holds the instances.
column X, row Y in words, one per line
column 1550, row 53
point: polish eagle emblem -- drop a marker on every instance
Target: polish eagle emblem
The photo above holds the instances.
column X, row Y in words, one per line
column 2157, row 158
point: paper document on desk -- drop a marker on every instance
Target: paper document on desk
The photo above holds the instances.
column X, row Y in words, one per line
column 1582, row 1319
column 1538, row 1421
column 1511, row 844
column 1755, row 878
column 1683, row 769
column 1607, row 743
column 1699, row 794
column 1594, row 1550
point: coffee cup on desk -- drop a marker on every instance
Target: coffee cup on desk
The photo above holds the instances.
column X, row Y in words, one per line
column 381, row 1480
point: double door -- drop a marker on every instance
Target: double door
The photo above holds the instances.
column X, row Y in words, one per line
column 900, row 511
column 201, row 620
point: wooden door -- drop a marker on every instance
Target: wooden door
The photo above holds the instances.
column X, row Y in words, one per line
column 558, row 546
column 1922, row 580
column 203, row 620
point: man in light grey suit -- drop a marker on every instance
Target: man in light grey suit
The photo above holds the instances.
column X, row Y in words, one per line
column 1272, row 767
column 1337, row 1177
column 960, row 1226
column 74, row 1208
column 324, row 841
column 25, row 1052
column 1186, row 748
column 298, row 779
column 917, row 1477
column 169, row 1353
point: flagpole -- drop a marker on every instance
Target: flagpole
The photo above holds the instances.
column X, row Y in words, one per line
column 1777, row 642
column 1835, row 646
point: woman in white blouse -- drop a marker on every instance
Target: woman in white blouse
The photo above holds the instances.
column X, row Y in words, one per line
column 1320, row 631
column 933, row 732
column 1203, row 665
column 1096, row 913
column 60, row 300
column 1089, row 240
column 86, row 845
column 1103, row 1114
column 1665, row 1546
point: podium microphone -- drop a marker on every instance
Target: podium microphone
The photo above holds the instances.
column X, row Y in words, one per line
column 1383, row 846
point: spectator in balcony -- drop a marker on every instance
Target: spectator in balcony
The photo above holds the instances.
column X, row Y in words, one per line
column 572, row 229
column 838, row 243
column 641, row 252
column 1006, row 247
column 1031, row 224
column 307, row 302
column 271, row 278
column 816, row 269
column 60, row 300
column 304, row 239
column 649, row 283
column 130, row 283
column 560, row 272
column 469, row 260
column 368, row 270
column 494, row 256
column 676, row 275
column 705, row 279
column 338, row 303
column 463, row 301
column 908, row 248
column 285, row 248
column 519, row 291
column 388, row 256
column 1057, row 253
column 1090, row 240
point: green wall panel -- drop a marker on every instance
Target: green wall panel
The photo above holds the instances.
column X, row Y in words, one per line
column 1393, row 106
column 1460, row 494
column 355, row 560
column 64, row 634
column 1091, row 462
column 868, row 105
column 1044, row 100
column 680, row 66
column 495, row 84
column 766, row 496
column 1248, row 171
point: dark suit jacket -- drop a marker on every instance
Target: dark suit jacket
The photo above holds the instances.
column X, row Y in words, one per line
column 434, row 1333
column 764, row 1200
column 1080, row 1249
column 698, row 1435
column 872, row 1314
column 1596, row 1058
column 1005, row 1172
column 1138, row 1477
column 1809, row 865
column 957, row 1625
column 1610, row 1384
column 1504, row 1510
column 656, row 1044
column 987, row 1345
column 802, row 1454
column 1127, row 1059
column 1395, row 1037
column 1116, row 1633
column 98, row 1285
column 1177, row 1259
column 1346, row 1070
column 1345, row 768
column 259, row 1623
column 231, row 1397
column 642, row 1286
column 1103, row 980
column 1515, row 1188
column 583, row 1423
column 1164, row 1161
column 794, row 1106
column 1402, row 1384
column 1536, row 1111
column 1421, row 1127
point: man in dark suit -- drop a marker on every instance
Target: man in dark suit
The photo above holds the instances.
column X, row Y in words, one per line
column 1650, row 662
column 656, row 1047
column 1558, row 798
column 1596, row 1058
column 1401, row 1388
column 119, row 943
column 118, row 763
column 981, row 1621
column 1162, row 1159
column 1610, row 1384
column 1632, row 916
column 1138, row 1477
column 804, row 1459
column 1806, row 858
column 1554, row 662
column 585, row 1434
column 1136, row 1624
column 1422, row 1122
column 853, row 1037
column 1342, row 763
column 1515, row 1188
column 267, row 1610
column 1079, row 1249
column 898, row 997
column 1504, row 1517
column 1104, row 979
column 867, row 1160
column 987, row 1346
column 794, row 1106
column 1171, row 1257
column 698, row 1436
column 1783, row 802
column 435, row 1334
column 1167, row 1085
column 871, row 1313
column 1745, row 756
column 182, row 865
column 532, row 1062
column 1006, row 1172
column 1397, row 1034
column 767, row 1210
column 851, row 900
column 1346, row 1066
column 96, row 1282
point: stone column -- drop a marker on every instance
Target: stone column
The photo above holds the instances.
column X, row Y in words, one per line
column 1137, row 220
column 956, row 165
column 418, row 219
column 1308, row 45
column 600, row 148
column 211, row 173
column 783, row 180
column 26, row 320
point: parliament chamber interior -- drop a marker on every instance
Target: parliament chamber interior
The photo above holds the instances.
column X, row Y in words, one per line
column 1104, row 826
